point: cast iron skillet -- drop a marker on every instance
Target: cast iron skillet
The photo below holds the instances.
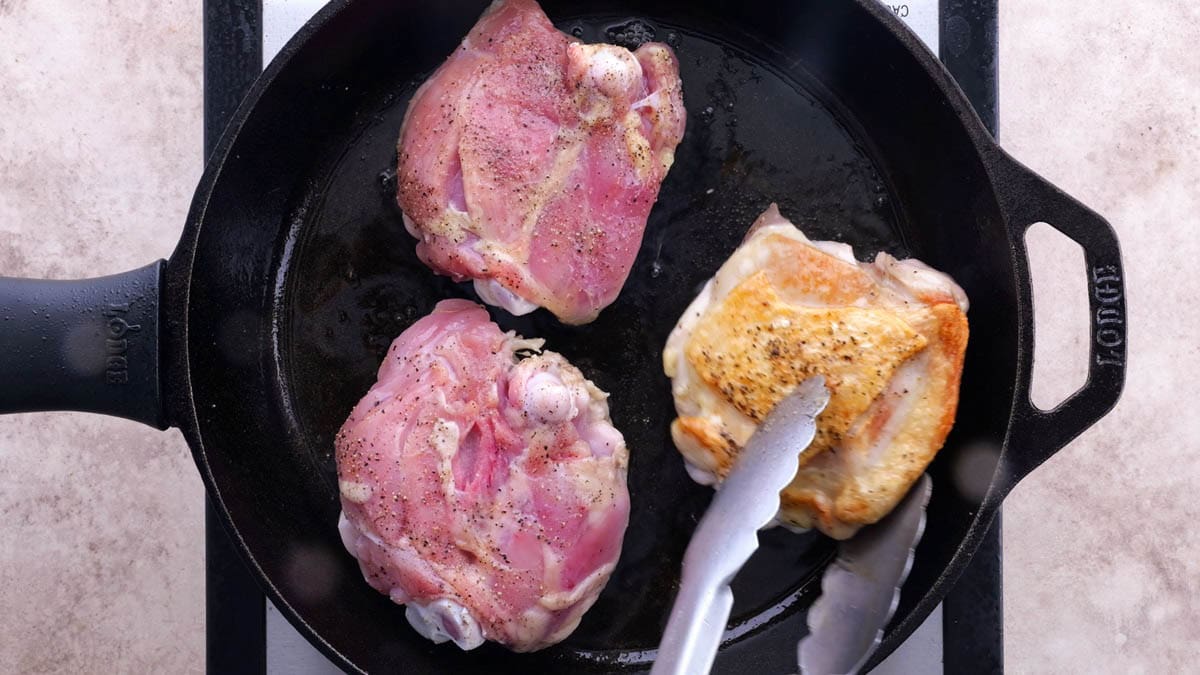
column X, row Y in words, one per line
column 294, row 273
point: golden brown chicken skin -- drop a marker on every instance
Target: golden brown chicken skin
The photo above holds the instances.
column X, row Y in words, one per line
column 888, row 336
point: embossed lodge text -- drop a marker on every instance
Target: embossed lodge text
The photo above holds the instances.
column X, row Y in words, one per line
column 1110, row 316
column 116, row 343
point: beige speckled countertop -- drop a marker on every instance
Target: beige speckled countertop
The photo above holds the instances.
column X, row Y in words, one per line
column 101, row 537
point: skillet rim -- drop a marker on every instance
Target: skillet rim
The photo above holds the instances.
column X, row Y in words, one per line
column 180, row 401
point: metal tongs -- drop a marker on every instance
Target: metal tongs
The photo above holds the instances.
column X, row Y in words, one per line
column 727, row 535
column 859, row 591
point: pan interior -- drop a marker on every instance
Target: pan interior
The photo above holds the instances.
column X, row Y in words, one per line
column 349, row 282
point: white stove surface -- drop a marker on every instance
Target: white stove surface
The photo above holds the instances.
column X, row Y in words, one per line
column 289, row 653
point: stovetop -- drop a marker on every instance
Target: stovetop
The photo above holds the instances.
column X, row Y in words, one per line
column 245, row 634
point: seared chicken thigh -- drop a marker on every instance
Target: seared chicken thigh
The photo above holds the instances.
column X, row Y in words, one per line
column 529, row 161
column 888, row 336
column 484, row 491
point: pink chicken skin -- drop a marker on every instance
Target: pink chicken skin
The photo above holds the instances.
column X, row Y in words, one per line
column 484, row 491
column 529, row 162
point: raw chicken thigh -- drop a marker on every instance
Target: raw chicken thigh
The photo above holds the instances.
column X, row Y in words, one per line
column 529, row 162
column 888, row 336
column 484, row 491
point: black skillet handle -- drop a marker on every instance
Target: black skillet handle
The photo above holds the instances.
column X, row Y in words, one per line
column 90, row 345
column 1034, row 434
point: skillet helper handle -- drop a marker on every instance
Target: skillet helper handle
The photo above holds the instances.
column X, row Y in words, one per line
column 90, row 345
column 1035, row 434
